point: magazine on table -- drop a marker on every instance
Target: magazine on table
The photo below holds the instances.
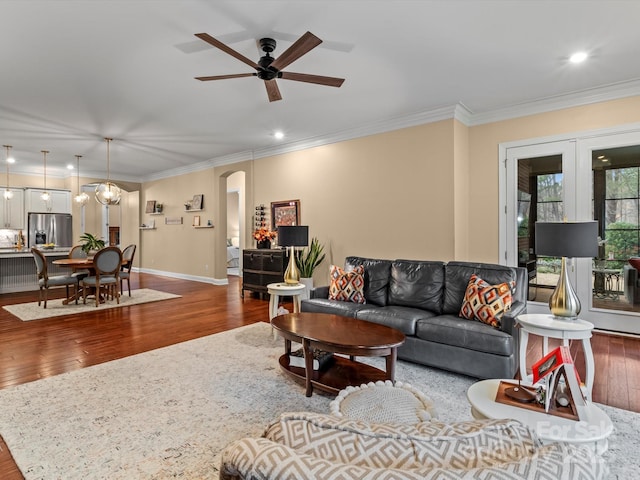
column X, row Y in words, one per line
column 320, row 358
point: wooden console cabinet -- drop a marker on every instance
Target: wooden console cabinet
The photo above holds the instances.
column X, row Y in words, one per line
column 260, row 267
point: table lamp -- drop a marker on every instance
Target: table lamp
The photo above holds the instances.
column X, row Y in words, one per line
column 566, row 239
column 293, row 236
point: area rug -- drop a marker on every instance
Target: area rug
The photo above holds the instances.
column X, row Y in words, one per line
column 55, row 308
column 168, row 413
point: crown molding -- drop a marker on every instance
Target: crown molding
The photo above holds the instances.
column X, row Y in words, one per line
column 558, row 102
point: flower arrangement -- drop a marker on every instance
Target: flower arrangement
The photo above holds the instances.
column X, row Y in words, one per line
column 263, row 234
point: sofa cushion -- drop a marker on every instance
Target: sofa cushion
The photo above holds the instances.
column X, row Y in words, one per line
column 485, row 302
column 346, row 286
column 417, row 284
column 400, row 318
column 469, row 334
column 457, row 275
column 335, row 307
column 376, row 277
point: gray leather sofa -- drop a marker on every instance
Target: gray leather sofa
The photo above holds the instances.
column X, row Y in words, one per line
column 422, row 299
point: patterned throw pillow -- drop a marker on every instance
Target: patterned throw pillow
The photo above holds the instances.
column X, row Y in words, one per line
column 347, row 286
column 485, row 302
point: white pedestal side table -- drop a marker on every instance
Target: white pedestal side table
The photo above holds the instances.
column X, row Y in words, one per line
column 277, row 290
column 593, row 430
column 548, row 326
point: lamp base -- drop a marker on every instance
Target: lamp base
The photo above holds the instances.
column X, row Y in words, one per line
column 292, row 274
column 564, row 302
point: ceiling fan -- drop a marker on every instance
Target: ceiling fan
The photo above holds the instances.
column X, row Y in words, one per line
column 269, row 68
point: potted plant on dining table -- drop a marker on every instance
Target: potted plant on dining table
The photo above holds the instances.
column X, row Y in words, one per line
column 90, row 243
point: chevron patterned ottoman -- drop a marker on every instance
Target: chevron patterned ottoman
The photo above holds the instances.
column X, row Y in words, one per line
column 384, row 402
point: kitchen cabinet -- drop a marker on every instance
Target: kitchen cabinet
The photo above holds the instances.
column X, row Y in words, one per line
column 60, row 201
column 262, row 266
column 12, row 211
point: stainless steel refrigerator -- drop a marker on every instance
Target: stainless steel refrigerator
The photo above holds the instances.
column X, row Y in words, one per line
column 50, row 228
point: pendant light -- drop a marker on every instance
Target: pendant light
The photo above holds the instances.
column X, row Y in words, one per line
column 108, row 193
column 45, row 195
column 8, row 194
column 81, row 198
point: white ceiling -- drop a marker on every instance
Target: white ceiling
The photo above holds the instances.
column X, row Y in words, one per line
column 73, row 72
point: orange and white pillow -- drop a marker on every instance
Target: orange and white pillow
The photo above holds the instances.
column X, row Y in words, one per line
column 346, row 286
column 486, row 303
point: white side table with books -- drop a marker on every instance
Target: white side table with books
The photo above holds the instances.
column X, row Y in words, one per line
column 548, row 326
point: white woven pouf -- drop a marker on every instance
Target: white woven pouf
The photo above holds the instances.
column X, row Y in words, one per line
column 383, row 402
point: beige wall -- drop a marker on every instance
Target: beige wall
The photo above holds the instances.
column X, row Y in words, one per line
column 179, row 248
column 483, row 162
column 425, row 192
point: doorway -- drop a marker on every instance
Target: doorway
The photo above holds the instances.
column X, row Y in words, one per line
column 576, row 180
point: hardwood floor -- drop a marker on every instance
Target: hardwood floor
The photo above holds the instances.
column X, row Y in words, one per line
column 43, row 348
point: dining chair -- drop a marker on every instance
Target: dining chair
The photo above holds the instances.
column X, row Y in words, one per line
column 77, row 252
column 45, row 281
column 106, row 264
column 127, row 262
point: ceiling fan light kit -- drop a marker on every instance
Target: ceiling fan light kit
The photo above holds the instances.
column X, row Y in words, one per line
column 268, row 68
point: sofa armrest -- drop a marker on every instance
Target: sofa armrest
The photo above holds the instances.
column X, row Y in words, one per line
column 508, row 320
column 319, row 292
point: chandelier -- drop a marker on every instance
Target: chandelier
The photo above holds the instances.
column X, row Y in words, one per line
column 45, row 195
column 81, row 198
column 108, row 193
column 8, row 194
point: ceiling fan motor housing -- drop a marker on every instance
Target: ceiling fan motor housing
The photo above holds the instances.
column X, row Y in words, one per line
column 267, row 45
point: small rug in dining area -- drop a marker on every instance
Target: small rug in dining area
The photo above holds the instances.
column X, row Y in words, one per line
column 55, row 308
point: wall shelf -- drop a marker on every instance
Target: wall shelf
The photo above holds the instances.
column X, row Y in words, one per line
column 156, row 213
column 203, row 226
column 147, row 228
column 194, row 210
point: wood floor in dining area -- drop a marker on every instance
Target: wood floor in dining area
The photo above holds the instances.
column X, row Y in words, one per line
column 42, row 348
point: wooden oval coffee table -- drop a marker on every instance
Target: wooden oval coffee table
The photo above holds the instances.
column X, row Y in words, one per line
column 337, row 334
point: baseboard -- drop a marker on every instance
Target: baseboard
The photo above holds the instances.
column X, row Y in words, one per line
column 182, row 276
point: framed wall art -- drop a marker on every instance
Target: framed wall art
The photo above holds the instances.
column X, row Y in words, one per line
column 151, row 206
column 198, row 202
column 285, row 213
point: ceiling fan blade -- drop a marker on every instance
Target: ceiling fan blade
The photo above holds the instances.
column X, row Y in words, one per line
column 319, row 79
column 223, row 77
column 218, row 44
column 273, row 92
column 304, row 44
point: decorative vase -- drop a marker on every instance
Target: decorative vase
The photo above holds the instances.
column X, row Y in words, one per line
column 264, row 244
column 308, row 283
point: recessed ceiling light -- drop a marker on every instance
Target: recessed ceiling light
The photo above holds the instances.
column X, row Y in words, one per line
column 278, row 135
column 578, row 57
column 69, row 167
column 604, row 159
column 600, row 157
column 11, row 160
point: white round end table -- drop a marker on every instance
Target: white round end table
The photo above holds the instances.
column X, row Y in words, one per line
column 548, row 326
column 593, row 430
column 277, row 290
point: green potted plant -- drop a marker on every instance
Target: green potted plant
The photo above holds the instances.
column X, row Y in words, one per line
column 90, row 243
column 307, row 261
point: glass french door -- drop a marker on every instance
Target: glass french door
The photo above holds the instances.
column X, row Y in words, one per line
column 580, row 179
